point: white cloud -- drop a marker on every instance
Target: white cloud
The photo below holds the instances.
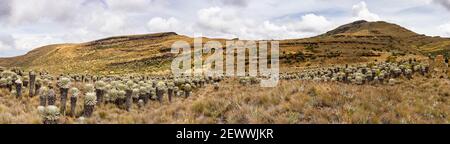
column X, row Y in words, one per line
column 308, row 25
column 28, row 12
column 445, row 29
column 311, row 23
column 113, row 24
column 361, row 12
column 159, row 24
column 97, row 18
column 220, row 22
column 29, row 42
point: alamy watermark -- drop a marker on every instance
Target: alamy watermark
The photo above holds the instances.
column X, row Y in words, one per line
column 237, row 58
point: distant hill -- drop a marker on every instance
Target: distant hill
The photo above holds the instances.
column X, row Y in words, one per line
column 121, row 54
column 364, row 28
column 405, row 37
column 360, row 41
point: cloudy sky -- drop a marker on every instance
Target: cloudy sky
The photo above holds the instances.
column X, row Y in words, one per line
column 27, row 24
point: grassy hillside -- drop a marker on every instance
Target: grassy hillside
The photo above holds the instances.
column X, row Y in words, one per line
column 422, row 100
column 137, row 53
column 405, row 91
column 360, row 41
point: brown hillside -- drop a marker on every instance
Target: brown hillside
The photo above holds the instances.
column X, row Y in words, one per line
column 122, row 54
column 360, row 41
column 364, row 28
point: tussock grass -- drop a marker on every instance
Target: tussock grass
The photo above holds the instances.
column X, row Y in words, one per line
column 417, row 101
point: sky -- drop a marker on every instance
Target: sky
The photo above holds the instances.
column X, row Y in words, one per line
column 25, row 24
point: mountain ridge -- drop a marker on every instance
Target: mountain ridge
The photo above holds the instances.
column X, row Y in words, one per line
column 359, row 41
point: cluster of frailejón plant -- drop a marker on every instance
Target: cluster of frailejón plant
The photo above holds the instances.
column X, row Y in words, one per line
column 375, row 73
column 123, row 91
column 137, row 91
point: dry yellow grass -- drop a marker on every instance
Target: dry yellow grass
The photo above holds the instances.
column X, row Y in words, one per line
column 418, row 101
column 352, row 43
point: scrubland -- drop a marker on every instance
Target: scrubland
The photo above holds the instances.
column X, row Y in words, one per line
column 421, row 100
